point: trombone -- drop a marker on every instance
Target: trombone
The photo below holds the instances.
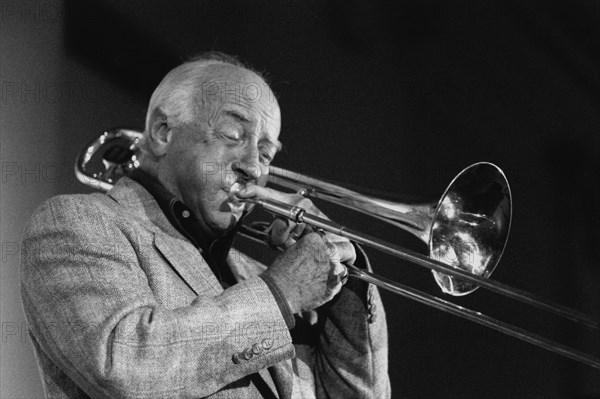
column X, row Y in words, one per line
column 466, row 231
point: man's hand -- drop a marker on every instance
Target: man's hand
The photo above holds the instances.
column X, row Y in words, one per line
column 309, row 272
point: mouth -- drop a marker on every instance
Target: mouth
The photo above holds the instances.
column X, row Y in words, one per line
column 235, row 204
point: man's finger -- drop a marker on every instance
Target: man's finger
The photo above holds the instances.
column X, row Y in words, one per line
column 297, row 231
column 342, row 251
column 285, row 232
column 334, row 285
column 253, row 191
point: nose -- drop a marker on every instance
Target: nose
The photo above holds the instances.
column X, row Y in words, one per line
column 248, row 168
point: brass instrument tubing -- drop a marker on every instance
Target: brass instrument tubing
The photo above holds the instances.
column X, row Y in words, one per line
column 477, row 317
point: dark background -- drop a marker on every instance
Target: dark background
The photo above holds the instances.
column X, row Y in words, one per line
column 396, row 98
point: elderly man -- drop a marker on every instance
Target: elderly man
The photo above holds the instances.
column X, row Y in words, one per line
column 138, row 293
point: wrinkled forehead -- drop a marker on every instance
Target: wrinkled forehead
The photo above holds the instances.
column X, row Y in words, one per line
column 229, row 84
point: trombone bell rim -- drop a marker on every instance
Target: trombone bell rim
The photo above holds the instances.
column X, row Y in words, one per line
column 470, row 225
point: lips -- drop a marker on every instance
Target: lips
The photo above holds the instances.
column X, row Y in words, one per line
column 236, row 208
column 234, row 203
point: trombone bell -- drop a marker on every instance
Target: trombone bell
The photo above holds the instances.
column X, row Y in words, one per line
column 470, row 226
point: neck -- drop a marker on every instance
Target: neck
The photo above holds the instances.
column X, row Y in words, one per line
column 152, row 167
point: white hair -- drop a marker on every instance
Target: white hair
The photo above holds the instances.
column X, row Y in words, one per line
column 176, row 93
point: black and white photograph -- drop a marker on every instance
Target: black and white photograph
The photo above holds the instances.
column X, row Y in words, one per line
column 300, row 199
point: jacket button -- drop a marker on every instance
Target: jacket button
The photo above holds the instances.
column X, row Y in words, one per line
column 256, row 349
column 267, row 343
column 236, row 358
column 247, row 354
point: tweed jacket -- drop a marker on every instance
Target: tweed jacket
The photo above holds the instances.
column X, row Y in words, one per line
column 119, row 304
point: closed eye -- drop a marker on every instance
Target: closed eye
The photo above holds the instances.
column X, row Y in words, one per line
column 232, row 134
column 267, row 152
column 266, row 159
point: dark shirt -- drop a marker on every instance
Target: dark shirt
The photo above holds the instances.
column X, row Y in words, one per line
column 214, row 251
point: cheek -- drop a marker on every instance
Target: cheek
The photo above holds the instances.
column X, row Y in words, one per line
column 214, row 174
column 204, row 170
column 195, row 164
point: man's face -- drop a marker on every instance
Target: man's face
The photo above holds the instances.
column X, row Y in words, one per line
column 233, row 139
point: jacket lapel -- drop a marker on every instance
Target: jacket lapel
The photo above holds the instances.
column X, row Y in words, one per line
column 189, row 264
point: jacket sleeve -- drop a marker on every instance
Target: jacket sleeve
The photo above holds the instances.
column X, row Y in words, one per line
column 351, row 360
column 90, row 307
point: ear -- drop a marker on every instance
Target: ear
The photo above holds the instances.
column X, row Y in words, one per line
column 160, row 134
